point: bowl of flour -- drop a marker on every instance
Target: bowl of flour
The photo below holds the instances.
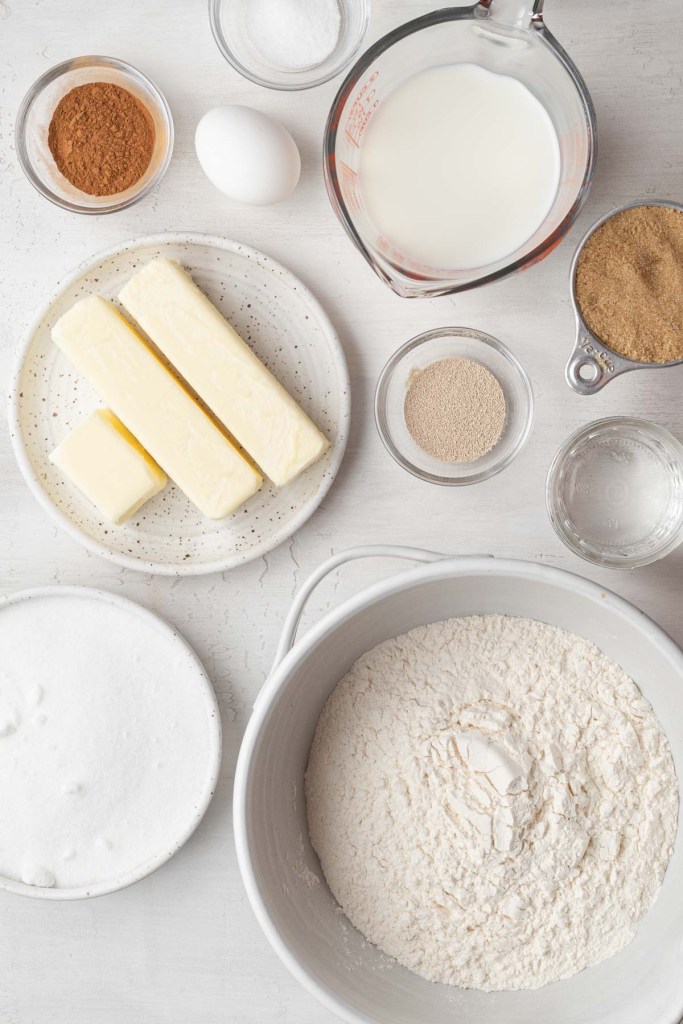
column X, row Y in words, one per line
column 457, row 800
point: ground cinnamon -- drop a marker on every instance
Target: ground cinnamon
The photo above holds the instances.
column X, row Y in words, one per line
column 629, row 283
column 101, row 138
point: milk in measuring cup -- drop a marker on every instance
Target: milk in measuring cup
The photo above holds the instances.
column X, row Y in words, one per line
column 459, row 166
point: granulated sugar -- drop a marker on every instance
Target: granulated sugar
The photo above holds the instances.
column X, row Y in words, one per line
column 293, row 34
column 105, row 741
column 455, row 410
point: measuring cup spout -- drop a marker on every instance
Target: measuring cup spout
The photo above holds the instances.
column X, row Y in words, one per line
column 512, row 13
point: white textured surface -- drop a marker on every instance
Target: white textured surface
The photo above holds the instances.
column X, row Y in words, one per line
column 183, row 944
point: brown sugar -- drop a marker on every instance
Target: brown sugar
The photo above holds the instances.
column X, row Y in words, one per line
column 629, row 284
column 101, row 138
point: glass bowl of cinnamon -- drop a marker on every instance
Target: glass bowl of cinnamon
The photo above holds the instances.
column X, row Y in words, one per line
column 94, row 135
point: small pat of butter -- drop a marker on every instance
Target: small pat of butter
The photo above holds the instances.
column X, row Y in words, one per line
column 222, row 369
column 109, row 466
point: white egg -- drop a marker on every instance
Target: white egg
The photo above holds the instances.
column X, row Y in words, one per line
column 247, row 155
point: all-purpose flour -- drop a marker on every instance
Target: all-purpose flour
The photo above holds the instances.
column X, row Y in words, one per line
column 493, row 802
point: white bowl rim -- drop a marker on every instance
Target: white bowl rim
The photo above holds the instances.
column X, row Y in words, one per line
column 450, row 565
column 214, row 753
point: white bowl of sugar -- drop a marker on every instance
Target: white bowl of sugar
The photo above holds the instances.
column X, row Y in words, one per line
column 110, row 742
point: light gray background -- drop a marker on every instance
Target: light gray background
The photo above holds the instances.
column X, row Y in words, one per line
column 182, row 946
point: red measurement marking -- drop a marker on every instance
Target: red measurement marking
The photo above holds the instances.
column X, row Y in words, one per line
column 362, row 108
column 348, row 182
column 396, row 256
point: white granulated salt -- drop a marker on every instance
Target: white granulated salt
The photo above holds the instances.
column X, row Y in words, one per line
column 493, row 802
column 293, row 34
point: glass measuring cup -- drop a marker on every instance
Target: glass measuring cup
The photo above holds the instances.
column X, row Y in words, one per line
column 593, row 364
column 507, row 37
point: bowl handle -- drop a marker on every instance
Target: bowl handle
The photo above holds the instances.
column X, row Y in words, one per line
column 291, row 624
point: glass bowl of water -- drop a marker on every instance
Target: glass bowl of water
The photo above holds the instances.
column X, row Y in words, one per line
column 615, row 492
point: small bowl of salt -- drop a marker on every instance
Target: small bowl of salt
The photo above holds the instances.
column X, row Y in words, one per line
column 289, row 44
column 454, row 406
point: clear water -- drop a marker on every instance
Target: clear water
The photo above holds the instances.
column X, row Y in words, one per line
column 622, row 495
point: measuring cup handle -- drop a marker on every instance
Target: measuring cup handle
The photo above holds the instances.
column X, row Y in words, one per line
column 591, row 366
column 513, row 13
column 586, row 373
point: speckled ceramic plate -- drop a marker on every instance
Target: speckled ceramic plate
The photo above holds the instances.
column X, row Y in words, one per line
column 288, row 330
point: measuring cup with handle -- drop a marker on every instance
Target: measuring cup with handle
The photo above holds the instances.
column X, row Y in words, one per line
column 593, row 364
column 507, row 37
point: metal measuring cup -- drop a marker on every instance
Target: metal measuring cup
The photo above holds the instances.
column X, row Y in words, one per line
column 593, row 364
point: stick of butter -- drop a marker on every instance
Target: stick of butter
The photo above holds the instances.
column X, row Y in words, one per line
column 156, row 409
column 109, row 466
column 222, row 369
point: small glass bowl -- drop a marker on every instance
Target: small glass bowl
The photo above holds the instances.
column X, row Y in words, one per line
column 232, row 38
column 615, row 492
column 33, row 122
column 453, row 343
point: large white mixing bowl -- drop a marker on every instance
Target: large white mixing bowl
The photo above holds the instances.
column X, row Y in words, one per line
column 641, row 985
